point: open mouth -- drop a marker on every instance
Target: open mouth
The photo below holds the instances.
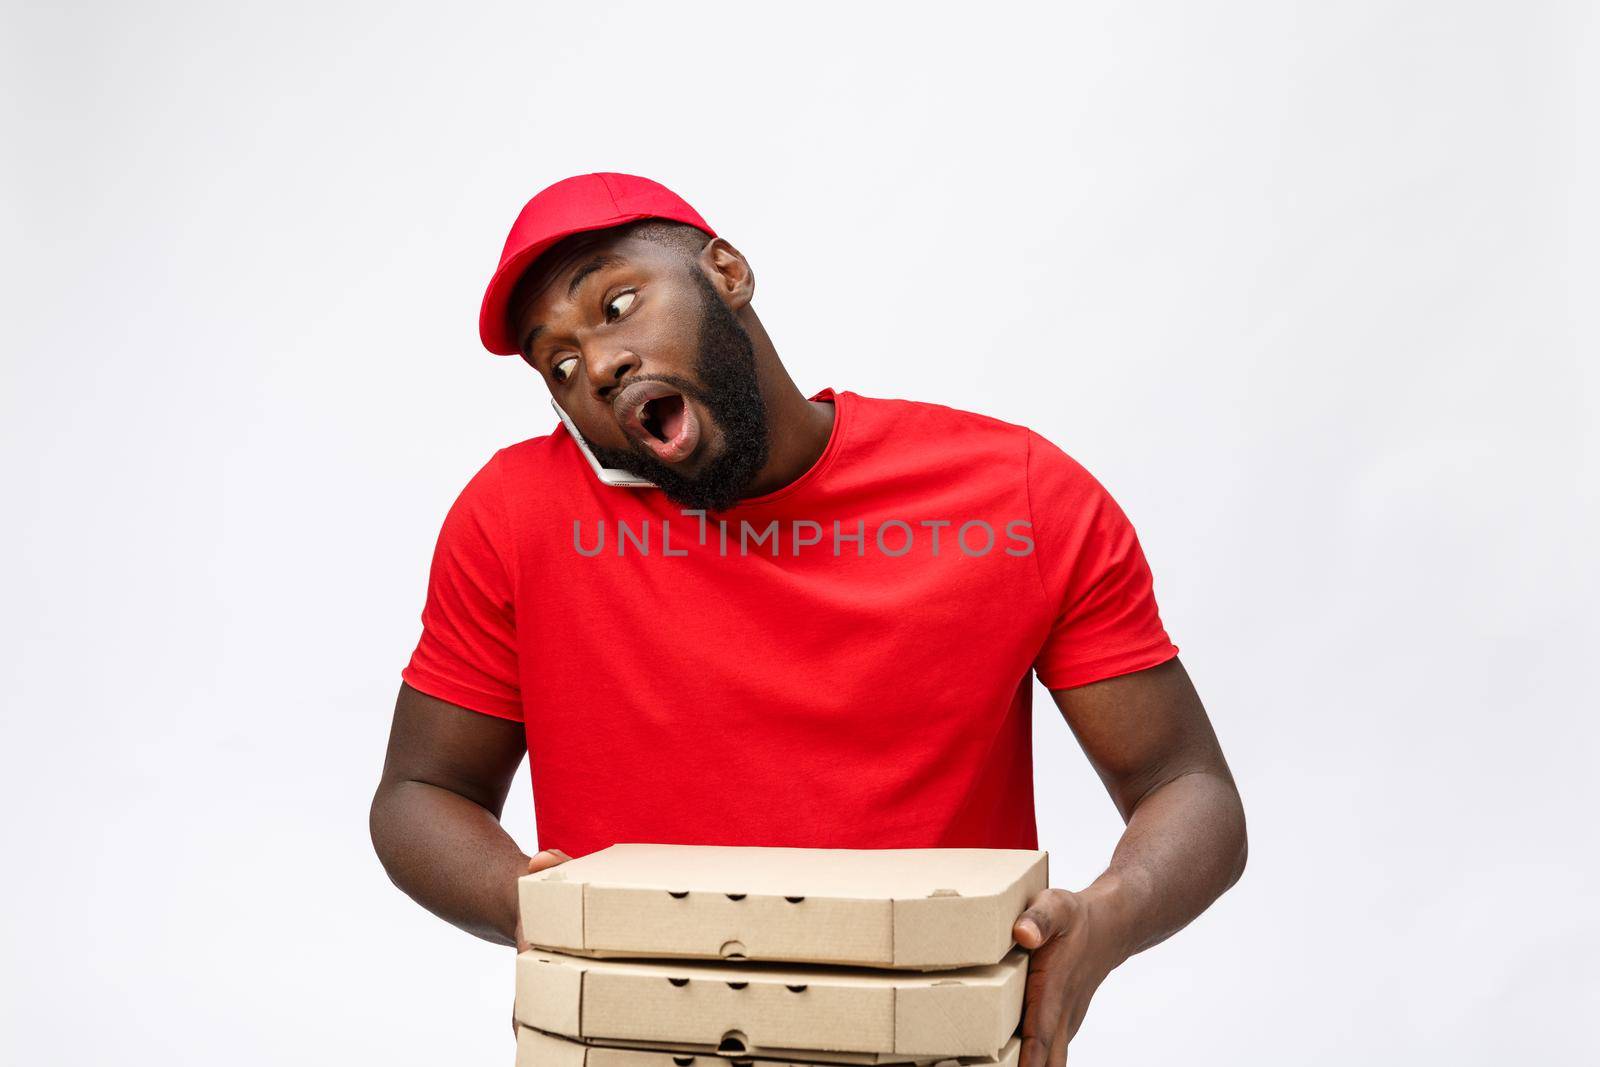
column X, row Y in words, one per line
column 663, row 417
column 658, row 418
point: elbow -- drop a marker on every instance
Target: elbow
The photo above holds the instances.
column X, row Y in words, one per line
column 1242, row 846
column 1239, row 862
column 379, row 823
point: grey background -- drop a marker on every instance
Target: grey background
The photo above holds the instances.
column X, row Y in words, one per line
column 1309, row 286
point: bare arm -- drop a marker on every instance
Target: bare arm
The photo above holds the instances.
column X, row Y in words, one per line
column 435, row 818
column 1150, row 741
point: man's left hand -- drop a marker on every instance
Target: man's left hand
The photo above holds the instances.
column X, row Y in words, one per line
column 1072, row 945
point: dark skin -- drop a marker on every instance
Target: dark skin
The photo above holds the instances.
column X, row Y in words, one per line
column 636, row 318
column 435, row 819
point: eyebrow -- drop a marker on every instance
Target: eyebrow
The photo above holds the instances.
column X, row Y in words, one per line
column 579, row 276
column 600, row 262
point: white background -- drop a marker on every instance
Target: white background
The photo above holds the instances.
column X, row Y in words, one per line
column 1310, row 286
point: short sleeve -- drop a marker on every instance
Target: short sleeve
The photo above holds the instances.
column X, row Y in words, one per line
column 467, row 654
column 1097, row 584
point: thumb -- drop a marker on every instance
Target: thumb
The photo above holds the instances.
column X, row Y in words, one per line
column 1041, row 921
column 550, row 857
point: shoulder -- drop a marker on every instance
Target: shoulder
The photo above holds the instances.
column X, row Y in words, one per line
column 952, row 430
column 509, row 462
column 496, row 498
column 530, row 455
column 523, row 474
column 880, row 409
column 957, row 430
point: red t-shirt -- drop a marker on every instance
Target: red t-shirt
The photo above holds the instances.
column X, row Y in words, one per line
column 844, row 662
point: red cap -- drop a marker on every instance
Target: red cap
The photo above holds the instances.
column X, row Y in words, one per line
column 572, row 205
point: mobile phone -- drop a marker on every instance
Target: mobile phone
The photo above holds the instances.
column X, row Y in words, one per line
column 608, row 475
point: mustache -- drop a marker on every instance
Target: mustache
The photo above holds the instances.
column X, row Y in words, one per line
column 728, row 390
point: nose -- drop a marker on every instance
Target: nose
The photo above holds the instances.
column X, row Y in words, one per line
column 607, row 370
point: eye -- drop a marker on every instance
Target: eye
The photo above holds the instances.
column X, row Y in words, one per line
column 618, row 305
column 563, row 369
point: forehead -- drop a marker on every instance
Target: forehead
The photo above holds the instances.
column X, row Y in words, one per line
column 556, row 278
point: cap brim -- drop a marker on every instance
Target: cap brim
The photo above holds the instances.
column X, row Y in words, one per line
column 493, row 328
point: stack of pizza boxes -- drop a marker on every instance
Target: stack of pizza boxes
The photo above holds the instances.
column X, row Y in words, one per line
column 689, row 956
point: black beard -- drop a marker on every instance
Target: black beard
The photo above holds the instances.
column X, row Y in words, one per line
column 729, row 392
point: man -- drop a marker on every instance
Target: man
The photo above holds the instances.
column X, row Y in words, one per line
column 814, row 623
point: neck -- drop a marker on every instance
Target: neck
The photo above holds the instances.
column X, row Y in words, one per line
column 798, row 428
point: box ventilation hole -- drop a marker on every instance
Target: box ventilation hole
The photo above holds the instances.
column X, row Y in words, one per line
column 737, row 985
column 794, row 900
column 677, row 896
column 732, row 950
column 796, row 988
column 735, row 896
column 733, row 1041
column 684, row 1061
column 679, row 982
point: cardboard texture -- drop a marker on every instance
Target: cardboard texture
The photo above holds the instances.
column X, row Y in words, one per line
column 764, row 1057
column 772, row 1010
column 922, row 909
column 535, row 1048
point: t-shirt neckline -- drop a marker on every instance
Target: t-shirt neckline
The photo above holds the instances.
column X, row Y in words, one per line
column 841, row 412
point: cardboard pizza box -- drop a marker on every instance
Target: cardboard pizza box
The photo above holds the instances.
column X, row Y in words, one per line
column 766, row 1010
column 535, row 1048
column 923, row 909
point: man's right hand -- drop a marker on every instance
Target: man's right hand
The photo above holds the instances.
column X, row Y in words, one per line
column 436, row 814
column 550, row 857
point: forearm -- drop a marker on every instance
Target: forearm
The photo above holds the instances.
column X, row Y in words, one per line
column 1183, row 847
column 450, row 855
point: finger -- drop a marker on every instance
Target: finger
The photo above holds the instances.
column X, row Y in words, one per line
column 550, row 857
column 1041, row 1012
column 1058, row 1048
column 1034, row 1053
column 1044, row 917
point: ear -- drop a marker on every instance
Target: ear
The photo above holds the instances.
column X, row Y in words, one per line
column 728, row 272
